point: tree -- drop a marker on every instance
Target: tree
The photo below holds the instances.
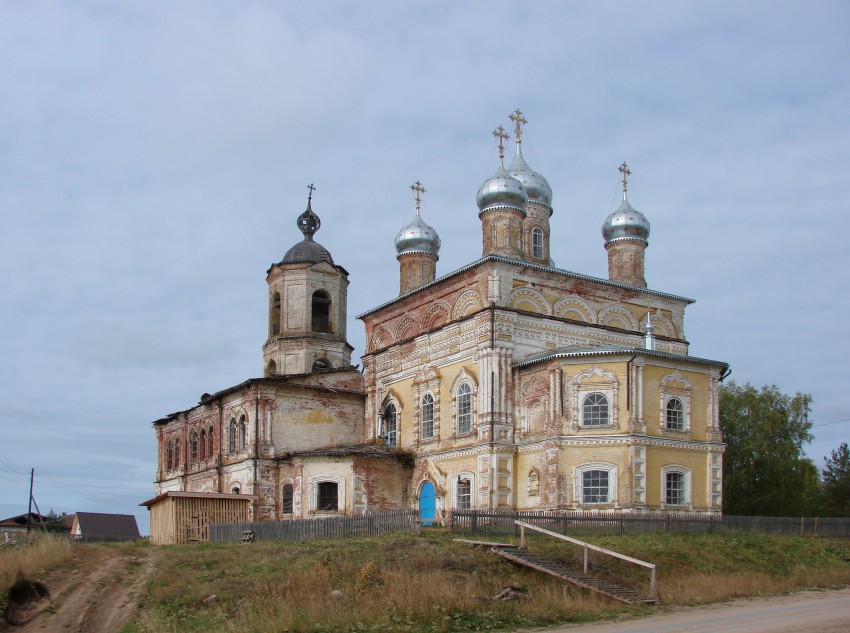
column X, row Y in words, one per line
column 836, row 482
column 764, row 469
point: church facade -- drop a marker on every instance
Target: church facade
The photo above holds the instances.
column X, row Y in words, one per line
column 507, row 384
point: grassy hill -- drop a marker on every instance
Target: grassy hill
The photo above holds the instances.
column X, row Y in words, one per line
column 427, row 583
column 430, row 583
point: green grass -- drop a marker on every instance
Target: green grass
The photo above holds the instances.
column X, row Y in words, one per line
column 432, row 584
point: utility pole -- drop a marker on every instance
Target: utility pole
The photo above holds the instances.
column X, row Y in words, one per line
column 29, row 512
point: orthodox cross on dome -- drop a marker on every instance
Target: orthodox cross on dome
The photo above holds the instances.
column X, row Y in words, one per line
column 624, row 169
column 419, row 189
column 519, row 121
column 499, row 133
column 308, row 222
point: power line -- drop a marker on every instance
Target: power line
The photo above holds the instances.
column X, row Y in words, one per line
column 828, row 423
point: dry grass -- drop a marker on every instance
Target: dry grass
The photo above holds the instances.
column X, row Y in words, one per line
column 406, row 583
column 32, row 560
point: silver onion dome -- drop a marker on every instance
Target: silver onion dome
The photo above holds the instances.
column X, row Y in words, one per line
column 308, row 250
column 536, row 186
column 502, row 190
column 626, row 223
column 417, row 237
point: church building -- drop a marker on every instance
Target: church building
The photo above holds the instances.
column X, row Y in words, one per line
column 507, row 384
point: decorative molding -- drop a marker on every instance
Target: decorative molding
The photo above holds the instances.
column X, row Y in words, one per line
column 530, row 296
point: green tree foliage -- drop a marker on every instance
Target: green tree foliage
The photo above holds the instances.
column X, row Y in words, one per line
column 836, row 482
column 764, row 469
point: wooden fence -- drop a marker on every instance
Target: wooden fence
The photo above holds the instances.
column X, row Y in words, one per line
column 501, row 523
column 333, row 527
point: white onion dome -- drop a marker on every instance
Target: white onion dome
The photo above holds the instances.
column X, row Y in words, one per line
column 626, row 223
column 501, row 191
column 308, row 250
column 417, row 237
column 536, row 186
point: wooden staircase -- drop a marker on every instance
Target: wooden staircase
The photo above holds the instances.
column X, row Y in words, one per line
column 528, row 559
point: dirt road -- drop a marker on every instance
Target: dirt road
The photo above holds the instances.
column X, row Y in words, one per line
column 98, row 595
column 806, row 612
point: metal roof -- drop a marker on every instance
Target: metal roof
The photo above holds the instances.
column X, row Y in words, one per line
column 614, row 351
column 549, row 269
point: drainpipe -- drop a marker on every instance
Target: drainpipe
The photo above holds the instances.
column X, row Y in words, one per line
column 725, row 374
column 492, row 399
column 220, row 442
column 257, row 455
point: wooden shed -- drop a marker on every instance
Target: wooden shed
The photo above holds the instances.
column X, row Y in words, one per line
column 185, row 517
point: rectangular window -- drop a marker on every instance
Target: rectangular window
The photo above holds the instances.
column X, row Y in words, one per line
column 675, row 483
column 464, row 409
column 427, row 417
column 595, row 486
column 328, row 496
column 464, row 494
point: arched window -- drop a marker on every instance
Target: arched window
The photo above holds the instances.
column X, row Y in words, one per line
column 274, row 315
column 427, row 411
column 321, row 309
column 286, row 499
column 235, row 490
column 675, row 415
column 321, row 363
column 193, row 446
column 595, row 410
column 271, row 368
column 537, row 242
column 176, row 453
column 232, row 436
column 464, row 409
column 202, row 445
column 243, row 432
column 169, row 455
column 211, row 443
column 464, row 494
column 533, row 483
column 391, row 425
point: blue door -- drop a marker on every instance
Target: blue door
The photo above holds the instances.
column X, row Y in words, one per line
column 427, row 503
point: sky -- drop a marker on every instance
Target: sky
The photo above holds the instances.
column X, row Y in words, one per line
column 154, row 157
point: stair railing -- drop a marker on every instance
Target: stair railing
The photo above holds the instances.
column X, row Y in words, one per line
column 523, row 526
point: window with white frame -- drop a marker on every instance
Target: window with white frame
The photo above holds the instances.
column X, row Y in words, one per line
column 169, row 455
column 464, row 409
column 391, row 425
column 675, row 402
column 427, row 415
column 327, row 493
column 243, row 433
column 674, row 415
column 595, row 410
column 463, row 496
column 596, row 484
column 537, row 242
column 676, row 486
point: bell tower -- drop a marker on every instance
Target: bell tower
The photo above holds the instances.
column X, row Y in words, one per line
column 308, row 296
